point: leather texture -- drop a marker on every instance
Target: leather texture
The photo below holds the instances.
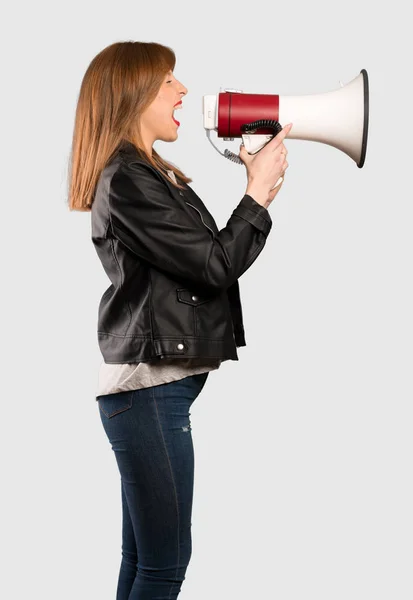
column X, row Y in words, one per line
column 174, row 276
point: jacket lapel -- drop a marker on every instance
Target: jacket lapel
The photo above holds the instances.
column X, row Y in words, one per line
column 187, row 196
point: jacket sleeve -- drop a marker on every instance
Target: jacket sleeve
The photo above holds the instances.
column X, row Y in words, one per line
column 155, row 227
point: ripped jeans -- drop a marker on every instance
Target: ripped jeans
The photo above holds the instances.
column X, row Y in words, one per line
column 150, row 433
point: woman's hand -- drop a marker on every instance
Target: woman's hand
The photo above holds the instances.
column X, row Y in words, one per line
column 266, row 167
column 273, row 192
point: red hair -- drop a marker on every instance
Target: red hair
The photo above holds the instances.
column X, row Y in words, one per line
column 119, row 84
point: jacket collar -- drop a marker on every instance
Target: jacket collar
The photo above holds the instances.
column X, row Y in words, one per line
column 129, row 152
column 128, row 149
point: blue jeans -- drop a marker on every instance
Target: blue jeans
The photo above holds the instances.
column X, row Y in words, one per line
column 150, row 433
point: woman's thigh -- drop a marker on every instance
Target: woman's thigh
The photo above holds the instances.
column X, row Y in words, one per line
column 150, row 434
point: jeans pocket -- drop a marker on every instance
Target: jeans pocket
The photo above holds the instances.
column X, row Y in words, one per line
column 113, row 404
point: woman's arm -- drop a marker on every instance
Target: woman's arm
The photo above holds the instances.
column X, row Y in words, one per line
column 144, row 217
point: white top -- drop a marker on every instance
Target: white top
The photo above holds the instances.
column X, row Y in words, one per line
column 115, row 378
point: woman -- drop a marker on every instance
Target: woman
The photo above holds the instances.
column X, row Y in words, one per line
column 172, row 312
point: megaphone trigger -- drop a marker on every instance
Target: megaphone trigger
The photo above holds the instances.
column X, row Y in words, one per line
column 255, row 143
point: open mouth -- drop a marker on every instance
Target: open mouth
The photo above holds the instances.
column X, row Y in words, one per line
column 179, row 107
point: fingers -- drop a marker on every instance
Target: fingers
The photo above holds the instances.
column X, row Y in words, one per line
column 282, row 159
column 279, row 138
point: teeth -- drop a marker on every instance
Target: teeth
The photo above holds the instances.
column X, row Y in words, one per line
column 177, row 107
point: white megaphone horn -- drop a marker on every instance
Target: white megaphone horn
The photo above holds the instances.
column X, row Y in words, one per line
column 339, row 118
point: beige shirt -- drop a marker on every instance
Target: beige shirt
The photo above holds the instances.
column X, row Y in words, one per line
column 121, row 377
column 134, row 376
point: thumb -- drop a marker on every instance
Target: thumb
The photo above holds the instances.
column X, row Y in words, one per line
column 242, row 149
column 242, row 153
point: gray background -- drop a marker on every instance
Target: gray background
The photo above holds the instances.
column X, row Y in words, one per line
column 303, row 448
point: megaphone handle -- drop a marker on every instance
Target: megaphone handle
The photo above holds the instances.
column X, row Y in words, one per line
column 280, row 180
column 260, row 123
column 251, row 128
column 256, row 142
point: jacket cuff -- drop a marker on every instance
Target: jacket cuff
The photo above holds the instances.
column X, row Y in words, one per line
column 255, row 213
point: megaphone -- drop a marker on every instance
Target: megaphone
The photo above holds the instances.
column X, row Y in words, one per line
column 339, row 118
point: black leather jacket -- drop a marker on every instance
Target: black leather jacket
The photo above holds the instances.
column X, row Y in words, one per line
column 174, row 277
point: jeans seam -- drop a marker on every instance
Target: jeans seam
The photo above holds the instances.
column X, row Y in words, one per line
column 173, row 481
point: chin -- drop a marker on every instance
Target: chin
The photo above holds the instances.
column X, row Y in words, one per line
column 171, row 137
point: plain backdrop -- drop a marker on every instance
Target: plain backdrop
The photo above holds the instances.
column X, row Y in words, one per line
column 303, row 447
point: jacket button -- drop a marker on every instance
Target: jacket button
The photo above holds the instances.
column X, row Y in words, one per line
column 194, row 298
column 180, row 346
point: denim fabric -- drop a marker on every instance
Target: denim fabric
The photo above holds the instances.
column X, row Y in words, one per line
column 149, row 430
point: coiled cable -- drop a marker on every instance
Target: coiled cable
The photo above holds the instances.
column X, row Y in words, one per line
column 252, row 128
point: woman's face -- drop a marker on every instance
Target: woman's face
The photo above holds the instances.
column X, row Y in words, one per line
column 156, row 121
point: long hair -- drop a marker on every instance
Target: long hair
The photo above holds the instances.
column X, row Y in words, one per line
column 119, row 84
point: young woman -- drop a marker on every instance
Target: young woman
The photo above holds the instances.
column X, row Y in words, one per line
column 172, row 312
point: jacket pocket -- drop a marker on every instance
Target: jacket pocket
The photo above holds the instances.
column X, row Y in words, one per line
column 188, row 297
column 208, row 317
